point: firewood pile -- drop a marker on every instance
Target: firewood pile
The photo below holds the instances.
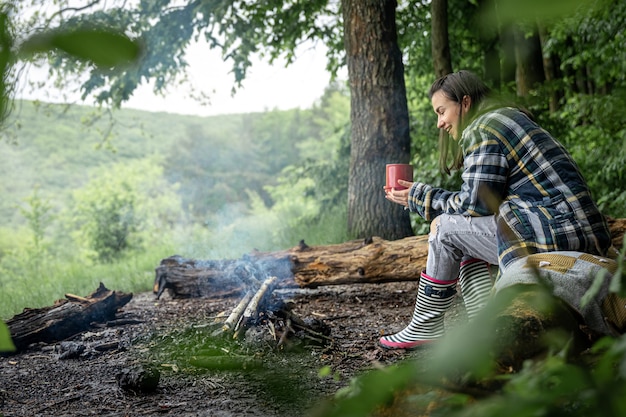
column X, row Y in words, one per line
column 272, row 318
column 260, row 313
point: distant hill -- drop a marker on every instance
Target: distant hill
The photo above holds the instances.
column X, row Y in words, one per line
column 57, row 147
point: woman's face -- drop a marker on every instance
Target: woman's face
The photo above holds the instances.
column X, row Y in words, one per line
column 449, row 113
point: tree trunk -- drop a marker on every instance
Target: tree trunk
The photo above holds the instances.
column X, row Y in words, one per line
column 442, row 61
column 379, row 115
column 490, row 44
column 507, row 67
column 529, row 60
column 551, row 71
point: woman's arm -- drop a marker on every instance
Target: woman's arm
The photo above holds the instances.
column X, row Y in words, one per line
column 485, row 175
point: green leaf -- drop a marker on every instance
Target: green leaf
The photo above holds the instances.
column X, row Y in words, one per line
column 324, row 371
column 514, row 11
column 372, row 390
column 103, row 47
column 6, row 344
column 594, row 289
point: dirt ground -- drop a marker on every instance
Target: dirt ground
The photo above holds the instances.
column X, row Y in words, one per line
column 89, row 373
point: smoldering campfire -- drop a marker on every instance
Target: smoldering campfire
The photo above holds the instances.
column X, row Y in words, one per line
column 263, row 284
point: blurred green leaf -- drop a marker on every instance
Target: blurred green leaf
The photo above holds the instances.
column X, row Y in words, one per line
column 324, row 371
column 6, row 344
column 371, row 390
column 103, row 47
column 595, row 288
column 514, row 11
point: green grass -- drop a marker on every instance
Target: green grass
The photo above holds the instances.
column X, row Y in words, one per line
column 28, row 288
column 25, row 283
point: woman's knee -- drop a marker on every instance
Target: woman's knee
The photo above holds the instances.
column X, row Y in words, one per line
column 434, row 225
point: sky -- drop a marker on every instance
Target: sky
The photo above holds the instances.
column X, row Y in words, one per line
column 266, row 86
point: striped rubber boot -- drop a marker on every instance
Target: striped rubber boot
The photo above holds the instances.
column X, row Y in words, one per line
column 475, row 282
column 434, row 298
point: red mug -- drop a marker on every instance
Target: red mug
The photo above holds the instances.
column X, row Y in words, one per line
column 397, row 172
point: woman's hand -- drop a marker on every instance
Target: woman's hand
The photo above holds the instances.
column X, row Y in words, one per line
column 400, row 196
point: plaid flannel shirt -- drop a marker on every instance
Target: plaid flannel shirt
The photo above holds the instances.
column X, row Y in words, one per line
column 518, row 171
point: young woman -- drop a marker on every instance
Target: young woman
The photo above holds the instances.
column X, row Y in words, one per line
column 522, row 193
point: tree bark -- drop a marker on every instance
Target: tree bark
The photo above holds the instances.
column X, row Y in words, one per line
column 507, row 67
column 442, row 61
column 490, row 44
column 379, row 116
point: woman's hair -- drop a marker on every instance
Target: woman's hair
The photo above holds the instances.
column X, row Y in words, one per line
column 455, row 86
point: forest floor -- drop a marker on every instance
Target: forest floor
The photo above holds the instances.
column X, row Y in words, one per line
column 86, row 375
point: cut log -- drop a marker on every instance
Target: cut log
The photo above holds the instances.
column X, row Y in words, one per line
column 523, row 325
column 252, row 309
column 66, row 318
column 188, row 278
column 247, row 309
column 372, row 260
column 618, row 229
column 235, row 316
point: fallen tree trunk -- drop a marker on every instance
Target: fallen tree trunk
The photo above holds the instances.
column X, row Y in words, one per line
column 372, row 260
column 65, row 318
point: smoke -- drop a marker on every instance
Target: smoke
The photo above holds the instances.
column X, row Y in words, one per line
column 230, row 233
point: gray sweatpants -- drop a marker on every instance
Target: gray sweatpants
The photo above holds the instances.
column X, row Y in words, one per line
column 456, row 238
